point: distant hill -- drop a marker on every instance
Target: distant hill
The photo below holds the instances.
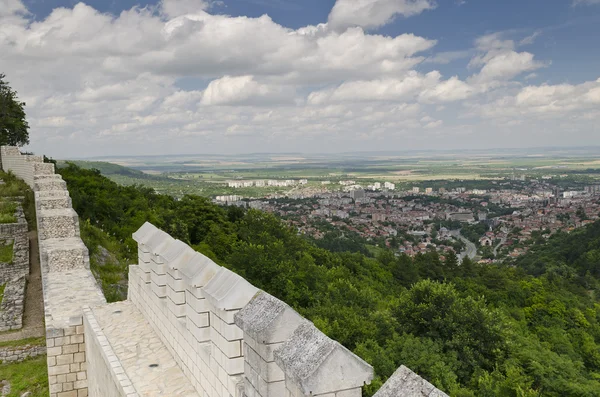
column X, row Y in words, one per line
column 108, row 169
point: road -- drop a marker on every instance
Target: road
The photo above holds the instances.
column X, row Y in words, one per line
column 470, row 251
column 502, row 241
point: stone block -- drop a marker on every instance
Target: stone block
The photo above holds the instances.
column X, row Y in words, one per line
column 267, row 319
column 49, row 184
column 53, row 203
column 229, row 291
column 316, row 364
column 198, row 270
column 62, row 254
column 405, row 382
column 62, row 223
column 144, row 233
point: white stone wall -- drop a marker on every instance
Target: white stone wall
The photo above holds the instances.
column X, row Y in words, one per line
column 228, row 338
column 224, row 333
column 68, row 284
column 108, row 379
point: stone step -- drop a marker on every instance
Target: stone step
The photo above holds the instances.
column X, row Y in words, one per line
column 61, row 254
column 53, row 203
column 49, row 184
column 59, row 223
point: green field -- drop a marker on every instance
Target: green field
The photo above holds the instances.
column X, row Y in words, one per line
column 207, row 175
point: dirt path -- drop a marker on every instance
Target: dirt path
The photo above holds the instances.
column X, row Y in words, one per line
column 33, row 317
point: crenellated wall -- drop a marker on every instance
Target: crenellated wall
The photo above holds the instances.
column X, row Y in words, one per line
column 230, row 338
column 189, row 327
column 68, row 284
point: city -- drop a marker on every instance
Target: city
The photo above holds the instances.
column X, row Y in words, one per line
column 515, row 214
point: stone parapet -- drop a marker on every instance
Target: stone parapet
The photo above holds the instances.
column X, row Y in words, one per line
column 224, row 332
column 189, row 328
column 68, row 284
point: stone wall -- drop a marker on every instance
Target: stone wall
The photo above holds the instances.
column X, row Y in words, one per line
column 19, row 265
column 14, row 354
column 206, row 331
column 13, row 274
column 68, row 284
column 13, row 303
column 109, row 378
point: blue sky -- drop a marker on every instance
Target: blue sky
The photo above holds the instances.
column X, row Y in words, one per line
column 404, row 73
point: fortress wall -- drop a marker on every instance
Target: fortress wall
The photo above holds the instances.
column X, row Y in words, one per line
column 108, row 379
column 228, row 338
column 68, row 284
column 227, row 335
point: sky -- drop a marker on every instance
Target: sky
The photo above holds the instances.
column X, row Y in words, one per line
column 141, row 77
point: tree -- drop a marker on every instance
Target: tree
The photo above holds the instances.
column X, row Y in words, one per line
column 14, row 129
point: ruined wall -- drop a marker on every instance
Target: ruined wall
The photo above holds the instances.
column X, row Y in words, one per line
column 15, row 354
column 68, row 284
column 13, row 274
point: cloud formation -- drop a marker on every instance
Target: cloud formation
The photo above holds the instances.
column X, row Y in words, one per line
column 178, row 78
column 371, row 14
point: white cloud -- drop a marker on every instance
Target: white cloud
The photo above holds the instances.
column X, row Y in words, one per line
column 448, row 56
column 175, row 8
column 547, row 101
column 97, row 83
column 11, row 7
column 371, row 14
column 585, row 2
column 244, row 90
column 426, row 88
column 499, row 61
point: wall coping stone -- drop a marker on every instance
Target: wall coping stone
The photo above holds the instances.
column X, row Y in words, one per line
column 267, row 319
column 406, row 383
column 317, row 364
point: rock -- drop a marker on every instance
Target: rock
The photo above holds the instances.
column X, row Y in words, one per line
column 104, row 256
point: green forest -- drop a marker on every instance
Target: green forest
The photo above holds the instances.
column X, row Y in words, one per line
column 529, row 328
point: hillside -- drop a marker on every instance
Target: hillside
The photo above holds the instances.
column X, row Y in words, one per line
column 107, row 169
column 497, row 330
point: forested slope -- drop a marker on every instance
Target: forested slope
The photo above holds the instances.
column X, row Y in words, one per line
column 526, row 330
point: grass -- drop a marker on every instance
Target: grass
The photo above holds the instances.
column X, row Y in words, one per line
column 30, row 375
column 112, row 274
column 23, row 342
column 6, row 252
column 2, row 292
column 7, row 211
column 14, row 186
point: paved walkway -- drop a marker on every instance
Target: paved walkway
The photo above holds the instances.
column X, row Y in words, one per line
column 145, row 359
column 33, row 316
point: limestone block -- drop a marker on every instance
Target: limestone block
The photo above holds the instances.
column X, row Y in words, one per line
column 50, row 184
column 405, row 382
column 62, row 223
column 51, row 193
column 171, row 252
column 229, row 291
column 39, row 177
column 43, row 169
column 198, row 270
column 267, row 319
column 53, row 203
column 60, row 254
column 158, row 242
column 144, row 233
column 315, row 364
column 198, row 304
column 175, row 281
